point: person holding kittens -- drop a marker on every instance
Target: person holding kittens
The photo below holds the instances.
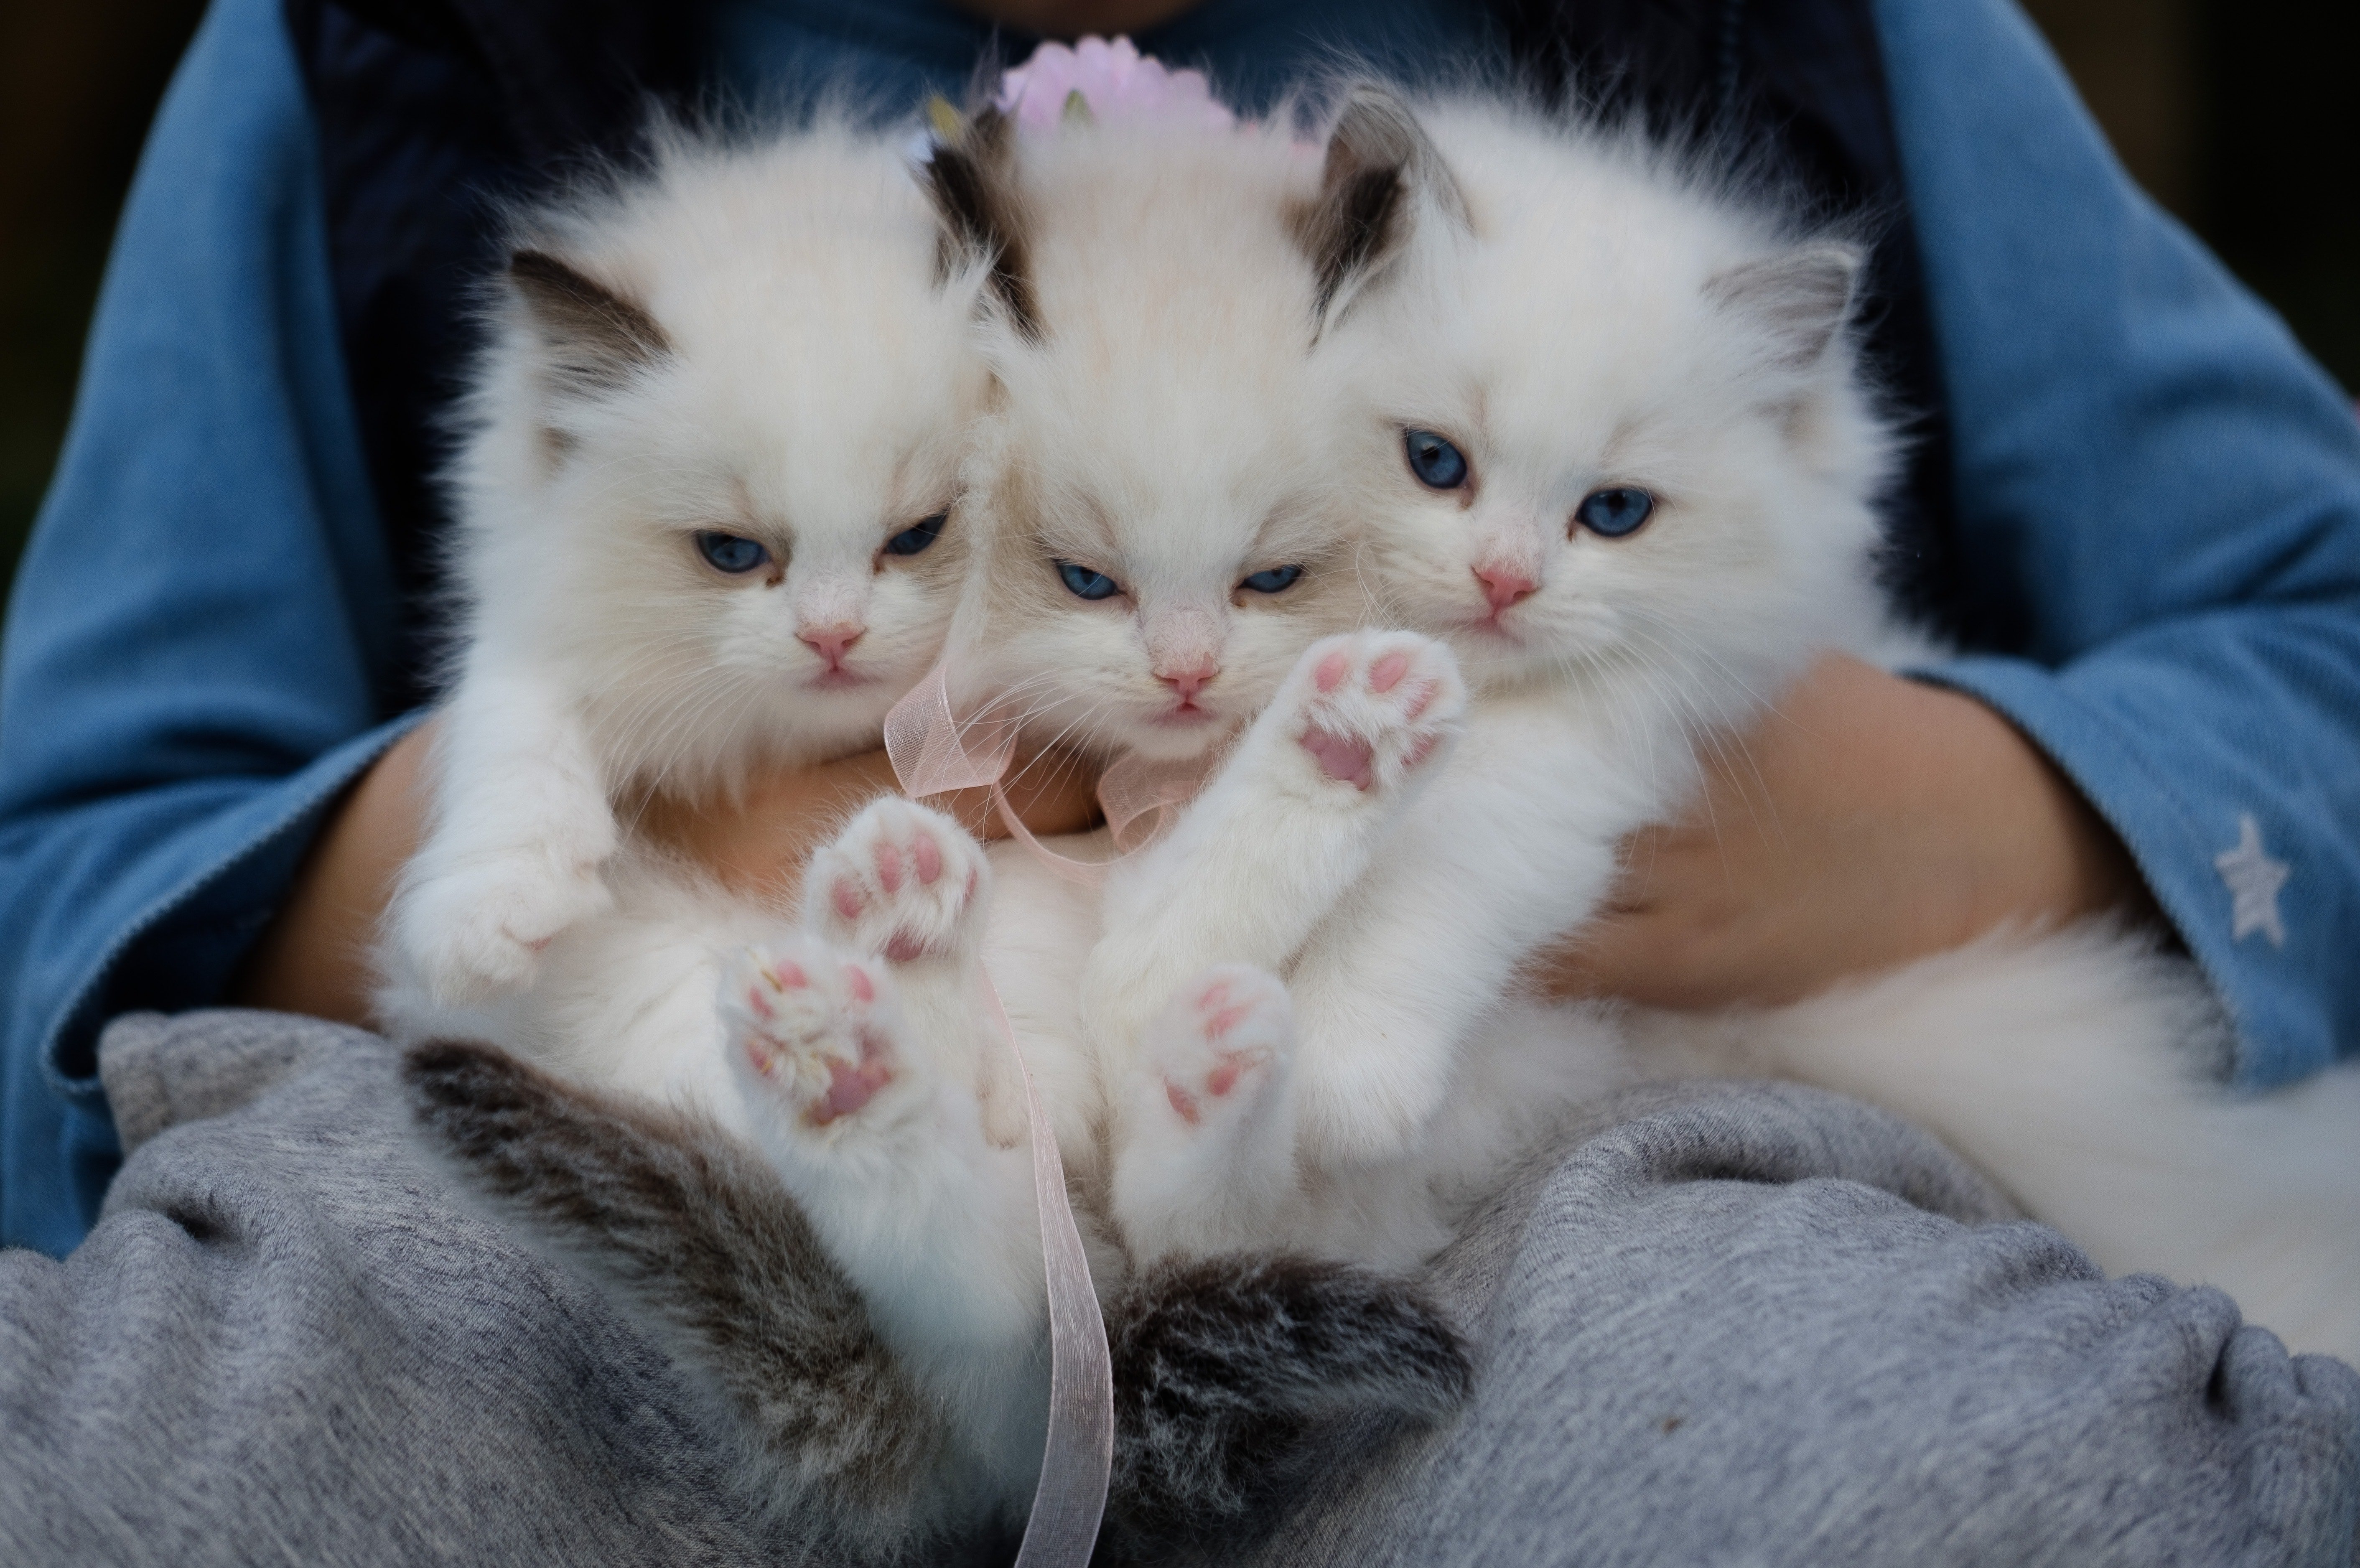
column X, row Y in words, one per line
column 207, row 763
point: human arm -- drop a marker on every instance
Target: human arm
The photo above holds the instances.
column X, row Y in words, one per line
column 203, row 623
column 2158, row 506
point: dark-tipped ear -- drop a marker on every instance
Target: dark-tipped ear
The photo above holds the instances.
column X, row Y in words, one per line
column 971, row 179
column 596, row 338
column 1380, row 162
column 1803, row 298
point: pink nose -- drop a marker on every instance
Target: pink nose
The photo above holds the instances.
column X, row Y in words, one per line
column 1503, row 586
column 829, row 642
column 1189, row 682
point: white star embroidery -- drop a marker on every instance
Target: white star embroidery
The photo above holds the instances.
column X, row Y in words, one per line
column 2254, row 880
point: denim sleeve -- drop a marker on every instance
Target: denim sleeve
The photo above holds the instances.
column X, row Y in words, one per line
column 195, row 638
column 2164, row 488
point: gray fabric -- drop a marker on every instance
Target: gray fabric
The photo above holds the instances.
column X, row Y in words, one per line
column 1718, row 1333
column 1712, row 1334
column 287, row 1341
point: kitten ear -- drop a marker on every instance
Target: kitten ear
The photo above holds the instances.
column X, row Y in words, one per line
column 1380, row 164
column 596, row 338
column 971, row 180
column 1803, row 298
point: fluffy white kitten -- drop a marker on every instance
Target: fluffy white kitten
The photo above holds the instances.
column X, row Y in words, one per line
column 703, row 531
column 1654, row 510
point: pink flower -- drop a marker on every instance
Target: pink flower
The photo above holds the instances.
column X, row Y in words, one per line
column 1114, row 78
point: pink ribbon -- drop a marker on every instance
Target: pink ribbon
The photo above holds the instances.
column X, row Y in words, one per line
column 933, row 750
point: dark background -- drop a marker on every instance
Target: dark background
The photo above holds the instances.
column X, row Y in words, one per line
column 2242, row 117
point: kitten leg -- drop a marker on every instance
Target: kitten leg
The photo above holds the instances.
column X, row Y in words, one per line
column 902, row 881
column 908, row 884
column 1513, row 847
column 887, row 1153
column 521, row 829
column 1204, row 1158
column 1288, row 825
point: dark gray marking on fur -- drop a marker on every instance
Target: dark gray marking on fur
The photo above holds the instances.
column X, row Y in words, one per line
column 1222, row 1368
column 1379, row 160
column 694, row 1231
column 598, row 338
column 1803, row 297
column 975, row 195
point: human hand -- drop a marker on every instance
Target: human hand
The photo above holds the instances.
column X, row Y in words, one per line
column 1868, row 820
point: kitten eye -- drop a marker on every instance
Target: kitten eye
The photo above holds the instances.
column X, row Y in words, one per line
column 912, row 540
column 728, row 553
column 1276, row 580
column 1438, row 465
column 1616, row 513
column 1086, row 584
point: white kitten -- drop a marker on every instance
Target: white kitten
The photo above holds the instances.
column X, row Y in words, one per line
column 1601, row 326
column 703, row 532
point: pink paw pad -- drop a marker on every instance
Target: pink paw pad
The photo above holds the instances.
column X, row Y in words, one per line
column 851, row 1087
column 1227, row 1068
column 1346, row 759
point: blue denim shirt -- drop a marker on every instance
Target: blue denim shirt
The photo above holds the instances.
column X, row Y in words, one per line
column 2147, row 465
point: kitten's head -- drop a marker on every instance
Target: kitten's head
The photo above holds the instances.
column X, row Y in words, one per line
column 1157, row 493
column 1607, row 419
column 718, row 448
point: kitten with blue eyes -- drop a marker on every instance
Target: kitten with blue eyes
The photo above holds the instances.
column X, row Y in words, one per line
column 704, row 531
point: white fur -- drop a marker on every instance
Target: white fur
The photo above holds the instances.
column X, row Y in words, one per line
column 818, row 396
column 1582, row 341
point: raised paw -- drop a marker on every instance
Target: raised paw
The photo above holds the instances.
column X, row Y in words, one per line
column 476, row 929
column 902, row 881
column 1368, row 708
column 1218, row 1045
column 818, row 1030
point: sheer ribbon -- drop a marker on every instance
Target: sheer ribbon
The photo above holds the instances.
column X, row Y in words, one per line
column 932, row 752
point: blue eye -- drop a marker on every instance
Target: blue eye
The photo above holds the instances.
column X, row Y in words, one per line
column 1277, row 580
column 1086, row 584
column 1438, row 465
column 911, row 541
column 1614, row 513
column 729, row 553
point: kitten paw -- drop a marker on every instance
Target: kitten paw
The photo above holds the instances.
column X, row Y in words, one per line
column 1369, row 708
column 475, row 931
column 818, row 1031
column 1218, row 1045
column 902, row 881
